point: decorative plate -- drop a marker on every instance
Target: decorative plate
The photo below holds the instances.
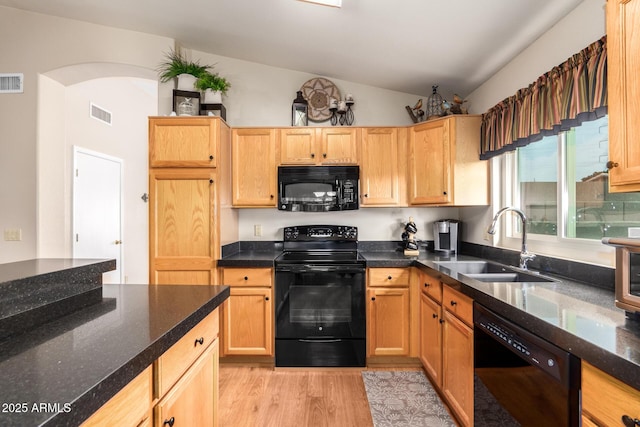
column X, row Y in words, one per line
column 318, row 93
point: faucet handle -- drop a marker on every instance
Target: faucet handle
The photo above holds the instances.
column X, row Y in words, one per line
column 525, row 257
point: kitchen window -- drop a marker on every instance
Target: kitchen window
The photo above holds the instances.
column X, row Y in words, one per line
column 561, row 183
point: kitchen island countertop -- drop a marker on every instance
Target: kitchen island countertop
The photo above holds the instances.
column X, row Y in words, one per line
column 76, row 363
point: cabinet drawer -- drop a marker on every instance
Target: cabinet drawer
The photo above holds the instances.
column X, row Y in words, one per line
column 606, row 399
column 388, row 277
column 458, row 304
column 247, row 276
column 175, row 361
column 431, row 286
column 129, row 407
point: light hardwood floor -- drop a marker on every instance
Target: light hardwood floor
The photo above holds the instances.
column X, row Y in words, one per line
column 263, row 397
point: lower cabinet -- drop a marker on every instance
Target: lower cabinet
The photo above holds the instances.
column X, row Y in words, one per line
column 607, row 401
column 193, row 399
column 248, row 313
column 446, row 343
column 182, row 382
column 388, row 312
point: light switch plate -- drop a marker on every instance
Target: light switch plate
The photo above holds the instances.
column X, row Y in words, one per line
column 13, row 234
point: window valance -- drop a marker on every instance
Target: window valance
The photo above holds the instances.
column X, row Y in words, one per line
column 571, row 93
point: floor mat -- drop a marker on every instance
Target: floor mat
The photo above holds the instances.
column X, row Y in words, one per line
column 404, row 399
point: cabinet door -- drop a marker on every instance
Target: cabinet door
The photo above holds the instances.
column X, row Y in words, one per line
column 183, row 141
column 430, row 163
column 181, row 227
column 623, row 50
column 381, row 176
column 457, row 377
column 298, row 146
column 431, row 338
column 248, row 322
column 339, row 146
column 388, row 323
column 193, row 400
column 254, row 167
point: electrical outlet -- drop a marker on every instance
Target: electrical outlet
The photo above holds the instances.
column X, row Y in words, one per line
column 257, row 230
column 13, row 234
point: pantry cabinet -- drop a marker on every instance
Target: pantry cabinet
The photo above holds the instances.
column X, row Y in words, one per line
column 189, row 192
column 444, row 163
column 248, row 313
column 607, row 400
column 623, row 52
column 388, row 312
column 318, row 146
column 383, row 160
column 254, row 167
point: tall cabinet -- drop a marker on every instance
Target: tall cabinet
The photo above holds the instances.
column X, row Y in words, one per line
column 623, row 51
column 189, row 194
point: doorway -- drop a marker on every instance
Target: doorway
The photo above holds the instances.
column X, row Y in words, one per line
column 97, row 209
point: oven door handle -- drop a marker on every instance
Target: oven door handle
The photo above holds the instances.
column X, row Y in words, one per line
column 306, row 268
column 323, row 341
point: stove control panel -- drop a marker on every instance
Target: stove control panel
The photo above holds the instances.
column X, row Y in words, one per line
column 320, row 233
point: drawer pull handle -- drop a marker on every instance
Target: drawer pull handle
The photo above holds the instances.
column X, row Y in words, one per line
column 246, row 278
column 435, row 316
column 426, row 285
column 389, row 278
column 453, row 303
column 169, row 422
column 630, row 422
column 441, row 321
column 373, row 298
column 210, row 157
column 199, row 341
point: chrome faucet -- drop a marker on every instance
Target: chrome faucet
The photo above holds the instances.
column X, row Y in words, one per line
column 525, row 255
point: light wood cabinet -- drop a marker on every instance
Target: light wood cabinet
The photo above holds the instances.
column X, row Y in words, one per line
column 254, row 167
column 182, row 226
column 187, row 199
column 193, row 399
column 457, row 354
column 623, row 51
column 388, row 312
column 248, row 313
column 605, row 400
column 444, row 164
column 318, row 146
column 184, row 141
column 129, row 407
column 383, row 161
column 431, row 338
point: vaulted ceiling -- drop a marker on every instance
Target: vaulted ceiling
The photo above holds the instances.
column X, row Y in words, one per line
column 402, row 45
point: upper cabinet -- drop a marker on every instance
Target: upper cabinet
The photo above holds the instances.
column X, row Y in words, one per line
column 444, row 163
column 623, row 50
column 383, row 167
column 318, row 146
column 254, row 167
column 183, row 142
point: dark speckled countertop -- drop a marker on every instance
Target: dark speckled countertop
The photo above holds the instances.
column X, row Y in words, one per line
column 86, row 357
column 575, row 316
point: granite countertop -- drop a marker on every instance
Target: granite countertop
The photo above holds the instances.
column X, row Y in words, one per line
column 577, row 317
column 78, row 362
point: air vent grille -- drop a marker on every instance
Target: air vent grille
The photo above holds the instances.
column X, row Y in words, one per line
column 11, row 83
column 101, row 114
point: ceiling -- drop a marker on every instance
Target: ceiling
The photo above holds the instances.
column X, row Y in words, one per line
column 401, row 45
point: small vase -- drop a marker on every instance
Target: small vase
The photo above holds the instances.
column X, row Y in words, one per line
column 212, row 97
column 186, row 82
column 186, row 108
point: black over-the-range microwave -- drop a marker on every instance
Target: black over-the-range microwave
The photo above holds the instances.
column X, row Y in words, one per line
column 318, row 188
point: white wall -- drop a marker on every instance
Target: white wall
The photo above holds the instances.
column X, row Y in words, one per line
column 581, row 27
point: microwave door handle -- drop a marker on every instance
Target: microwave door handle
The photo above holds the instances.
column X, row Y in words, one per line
column 338, row 192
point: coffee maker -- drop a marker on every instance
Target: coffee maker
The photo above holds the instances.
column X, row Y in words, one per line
column 446, row 235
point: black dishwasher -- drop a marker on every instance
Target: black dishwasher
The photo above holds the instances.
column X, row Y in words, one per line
column 521, row 379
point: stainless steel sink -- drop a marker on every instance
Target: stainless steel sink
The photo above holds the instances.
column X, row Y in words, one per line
column 487, row 271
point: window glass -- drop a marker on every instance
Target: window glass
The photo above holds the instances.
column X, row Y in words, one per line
column 538, row 185
column 591, row 211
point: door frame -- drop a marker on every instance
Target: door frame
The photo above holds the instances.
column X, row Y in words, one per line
column 81, row 150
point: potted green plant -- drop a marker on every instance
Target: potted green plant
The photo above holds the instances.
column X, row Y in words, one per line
column 177, row 66
column 213, row 86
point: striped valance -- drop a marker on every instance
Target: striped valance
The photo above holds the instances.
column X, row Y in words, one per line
column 572, row 92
